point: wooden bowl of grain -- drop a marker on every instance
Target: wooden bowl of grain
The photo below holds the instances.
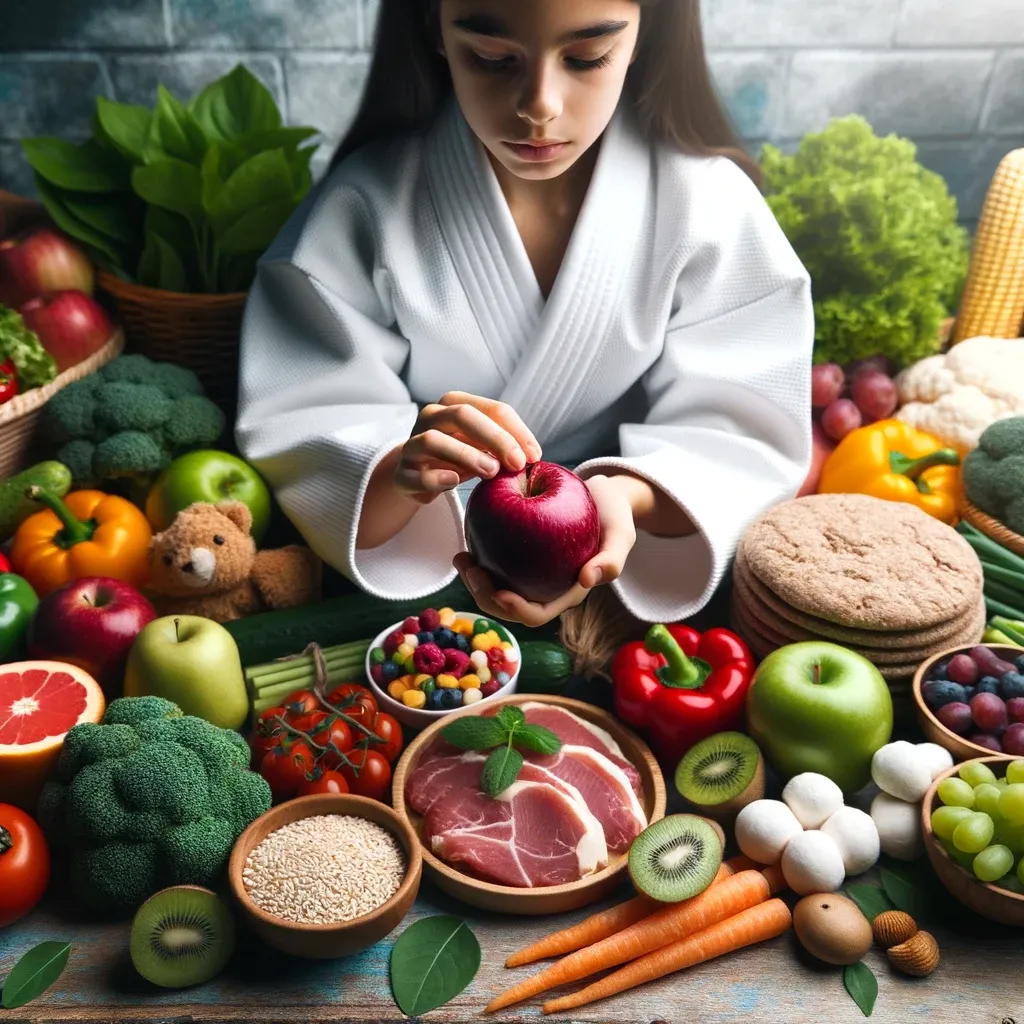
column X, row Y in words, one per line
column 539, row 900
column 326, row 875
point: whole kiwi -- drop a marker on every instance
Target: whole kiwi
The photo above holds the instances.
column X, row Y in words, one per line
column 832, row 928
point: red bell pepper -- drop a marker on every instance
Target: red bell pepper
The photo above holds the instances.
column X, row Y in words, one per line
column 8, row 381
column 5, row 563
column 681, row 686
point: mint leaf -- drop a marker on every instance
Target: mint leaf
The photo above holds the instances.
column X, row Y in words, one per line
column 474, row 732
column 500, row 770
column 34, row 973
column 862, row 985
column 511, row 718
column 537, row 739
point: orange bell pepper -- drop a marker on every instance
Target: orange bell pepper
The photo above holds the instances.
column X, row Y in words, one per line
column 891, row 459
column 89, row 533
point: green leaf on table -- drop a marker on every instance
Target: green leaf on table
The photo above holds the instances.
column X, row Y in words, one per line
column 903, row 885
column 511, row 718
column 474, row 732
column 171, row 184
column 125, row 126
column 255, row 230
column 87, row 167
column 537, row 739
column 500, row 770
column 263, row 180
column 871, row 899
column 235, row 106
column 161, row 267
column 862, row 985
column 34, row 973
column 433, row 961
column 173, row 132
column 54, row 199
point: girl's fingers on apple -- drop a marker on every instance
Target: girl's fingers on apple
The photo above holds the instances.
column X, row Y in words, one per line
column 435, row 445
column 480, row 430
column 503, row 414
column 414, row 480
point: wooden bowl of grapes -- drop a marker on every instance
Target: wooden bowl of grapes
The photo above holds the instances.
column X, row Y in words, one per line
column 535, row 833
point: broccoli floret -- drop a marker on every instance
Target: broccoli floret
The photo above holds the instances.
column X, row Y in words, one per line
column 195, row 423
column 149, row 798
column 77, row 456
column 130, row 453
column 993, row 472
column 70, row 413
column 123, row 406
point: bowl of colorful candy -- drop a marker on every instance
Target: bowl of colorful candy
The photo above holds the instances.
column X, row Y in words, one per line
column 438, row 661
column 972, row 820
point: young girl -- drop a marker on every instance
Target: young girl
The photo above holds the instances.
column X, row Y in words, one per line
column 538, row 240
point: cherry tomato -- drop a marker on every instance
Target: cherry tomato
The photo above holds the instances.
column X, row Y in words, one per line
column 387, row 727
column 285, row 768
column 266, row 733
column 325, row 782
column 300, row 703
column 345, row 693
column 24, row 864
column 374, row 774
column 309, row 723
column 338, row 736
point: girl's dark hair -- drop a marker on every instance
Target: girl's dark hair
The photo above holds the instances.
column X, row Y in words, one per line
column 669, row 81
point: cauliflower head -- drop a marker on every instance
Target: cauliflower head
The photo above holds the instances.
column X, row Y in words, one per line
column 149, row 798
column 956, row 396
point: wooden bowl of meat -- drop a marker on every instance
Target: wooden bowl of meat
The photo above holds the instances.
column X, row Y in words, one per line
column 557, row 836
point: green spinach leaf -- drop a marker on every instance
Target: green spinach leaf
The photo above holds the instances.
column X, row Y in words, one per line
column 433, row 961
column 125, row 126
column 34, row 973
column 235, row 106
column 161, row 266
column 87, row 167
column 871, row 900
column 263, row 180
column 862, row 985
column 173, row 132
column 53, row 199
column 172, row 184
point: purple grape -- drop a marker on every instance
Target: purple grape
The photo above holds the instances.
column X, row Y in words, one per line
column 1015, row 709
column 939, row 692
column 989, row 662
column 982, row 739
column 963, row 669
column 939, row 669
column 1013, row 739
column 988, row 712
column 1011, row 685
column 988, row 684
column 956, row 717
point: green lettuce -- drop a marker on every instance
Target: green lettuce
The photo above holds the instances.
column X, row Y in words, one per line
column 878, row 234
column 22, row 346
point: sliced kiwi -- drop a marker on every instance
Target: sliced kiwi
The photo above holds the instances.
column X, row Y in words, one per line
column 720, row 775
column 182, row 936
column 676, row 858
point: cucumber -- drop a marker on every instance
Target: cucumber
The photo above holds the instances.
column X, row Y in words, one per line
column 546, row 667
column 15, row 508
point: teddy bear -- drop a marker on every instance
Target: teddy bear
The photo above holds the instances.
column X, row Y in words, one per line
column 206, row 563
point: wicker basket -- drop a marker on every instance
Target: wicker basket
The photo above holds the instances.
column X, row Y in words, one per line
column 19, row 416
column 994, row 529
column 200, row 332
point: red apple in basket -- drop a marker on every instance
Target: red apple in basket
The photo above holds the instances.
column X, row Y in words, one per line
column 71, row 325
column 90, row 622
column 533, row 531
column 42, row 261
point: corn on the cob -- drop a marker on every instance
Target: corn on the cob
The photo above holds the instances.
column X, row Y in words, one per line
column 993, row 296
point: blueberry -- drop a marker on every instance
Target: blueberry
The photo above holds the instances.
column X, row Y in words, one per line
column 389, row 671
column 434, row 700
column 1011, row 685
column 938, row 670
column 462, row 642
column 444, row 637
column 969, row 692
column 425, row 636
column 1020, row 663
column 451, row 697
column 939, row 692
column 987, row 684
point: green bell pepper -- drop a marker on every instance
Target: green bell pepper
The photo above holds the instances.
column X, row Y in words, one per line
column 18, row 603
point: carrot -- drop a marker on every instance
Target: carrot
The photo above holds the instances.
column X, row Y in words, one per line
column 596, row 927
column 754, row 924
column 716, row 903
column 743, row 863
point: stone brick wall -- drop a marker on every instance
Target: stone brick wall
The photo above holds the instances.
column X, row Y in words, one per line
column 948, row 74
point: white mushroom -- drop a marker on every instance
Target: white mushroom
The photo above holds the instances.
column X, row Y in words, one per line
column 763, row 828
column 855, row 833
column 902, row 770
column 899, row 827
column 938, row 759
column 813, row 798
column 812, row 862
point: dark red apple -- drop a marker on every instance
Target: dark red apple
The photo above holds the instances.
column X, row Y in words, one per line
column 90, row 622
column 70, row 325
column 42, row 261
column 533, row 531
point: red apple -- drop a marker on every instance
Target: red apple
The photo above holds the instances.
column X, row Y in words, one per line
column 42, row 261
column 70, row 325
column 821, row 448
column 90, row 622
column 533, row 531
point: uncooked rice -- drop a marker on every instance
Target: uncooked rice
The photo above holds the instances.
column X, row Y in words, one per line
column 325, row 869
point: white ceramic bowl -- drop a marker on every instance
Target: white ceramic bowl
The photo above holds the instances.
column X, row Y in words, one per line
column 420, row 718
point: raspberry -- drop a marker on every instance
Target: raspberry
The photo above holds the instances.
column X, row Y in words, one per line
column 428, row 658
column 455, row 661
column 429, row 619
column 496, row 658
column 377, row 674
column 393, row 641
column 490, row 687
column 411, row 625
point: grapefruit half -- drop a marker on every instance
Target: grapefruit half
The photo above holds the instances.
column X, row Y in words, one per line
column 40, row 701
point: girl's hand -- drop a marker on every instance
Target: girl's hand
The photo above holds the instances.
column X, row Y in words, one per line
column 457, row 438
column 618, row 535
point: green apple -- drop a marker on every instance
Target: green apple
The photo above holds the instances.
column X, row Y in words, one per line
column 213, row 476
column 819, row 707
column 193, row 662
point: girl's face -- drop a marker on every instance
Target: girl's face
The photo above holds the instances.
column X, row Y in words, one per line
column 538, row 80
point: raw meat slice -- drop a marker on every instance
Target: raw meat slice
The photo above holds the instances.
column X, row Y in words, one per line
column 530, row 835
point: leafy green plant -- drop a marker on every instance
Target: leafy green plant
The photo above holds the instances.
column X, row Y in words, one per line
column 878, row 234
column 183, row 197
column 433, row 961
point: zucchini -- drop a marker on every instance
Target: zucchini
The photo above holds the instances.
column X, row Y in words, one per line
column 15, row 508
column 546, row 667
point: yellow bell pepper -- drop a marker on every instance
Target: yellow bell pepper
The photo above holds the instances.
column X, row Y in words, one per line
column 89, row 533
column 892, row 460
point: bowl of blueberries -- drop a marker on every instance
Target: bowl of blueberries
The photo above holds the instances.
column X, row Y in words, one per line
column 970, row 700
column 438, row 661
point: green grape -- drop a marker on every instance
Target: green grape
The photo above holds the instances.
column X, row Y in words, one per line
column 1020, row 870
column 1015, row 770
column 1001, row 784
column 993, row 862
column 1010, row 835
column 974, row 773
column 1011, row 882
column 1011, row 804
column 955, row 792
column 946, row 819
column 963, row 859
column 986, row 798
column 973, row 834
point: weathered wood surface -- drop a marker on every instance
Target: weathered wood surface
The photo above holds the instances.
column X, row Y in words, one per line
column 978, row 982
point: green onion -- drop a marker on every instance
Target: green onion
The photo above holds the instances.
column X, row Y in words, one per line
column 998, row 609
column 988, row 549
column 274, row 681
column 1007, row 576
column 1013, row 629
column 1001, row 592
